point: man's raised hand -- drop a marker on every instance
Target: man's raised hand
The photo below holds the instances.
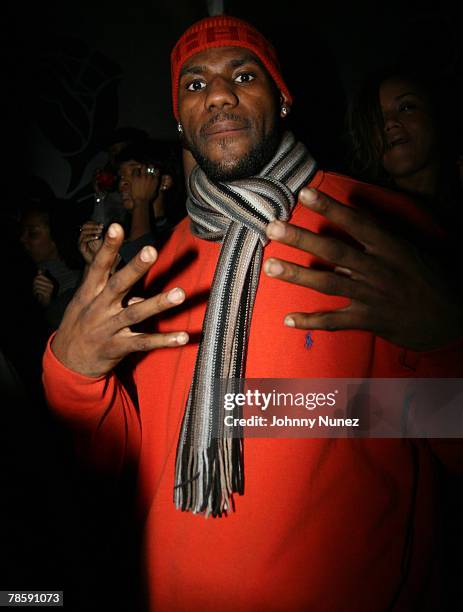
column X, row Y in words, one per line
column 95, row 332
column 393, row 292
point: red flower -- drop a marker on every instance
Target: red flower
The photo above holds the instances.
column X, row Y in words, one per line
column 105, row 180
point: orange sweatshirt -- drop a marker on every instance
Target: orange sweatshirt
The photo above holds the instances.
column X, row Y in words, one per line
column 324, row 524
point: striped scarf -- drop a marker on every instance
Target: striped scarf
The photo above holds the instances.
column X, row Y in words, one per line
column 209, row 464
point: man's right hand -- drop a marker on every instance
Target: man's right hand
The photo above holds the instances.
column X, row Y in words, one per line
column 95, row 333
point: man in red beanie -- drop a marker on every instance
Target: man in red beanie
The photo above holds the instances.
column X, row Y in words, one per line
column 294, row 524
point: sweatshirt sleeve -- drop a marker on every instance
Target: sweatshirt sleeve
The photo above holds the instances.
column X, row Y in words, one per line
column 442, row 363
column 99, row 411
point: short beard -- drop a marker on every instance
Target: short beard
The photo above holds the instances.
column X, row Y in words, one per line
column 248, row 165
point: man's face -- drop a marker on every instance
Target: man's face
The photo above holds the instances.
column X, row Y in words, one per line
column 228, row 107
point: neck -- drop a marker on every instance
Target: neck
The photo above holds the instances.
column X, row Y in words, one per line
column 423, row 183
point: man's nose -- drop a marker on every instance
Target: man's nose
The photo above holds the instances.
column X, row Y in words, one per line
column 220, row 94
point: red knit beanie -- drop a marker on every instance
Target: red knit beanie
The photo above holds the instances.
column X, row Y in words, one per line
column 224, row 31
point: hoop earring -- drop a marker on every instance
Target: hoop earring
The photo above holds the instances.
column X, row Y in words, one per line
column 284, row 111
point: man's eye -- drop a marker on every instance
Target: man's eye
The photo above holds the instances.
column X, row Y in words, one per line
column 196, row 85
column 245, row 77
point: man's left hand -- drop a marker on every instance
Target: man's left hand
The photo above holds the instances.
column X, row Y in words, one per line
column 394, row 293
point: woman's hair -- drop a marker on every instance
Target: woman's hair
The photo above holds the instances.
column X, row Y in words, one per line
column 365, row 124
column 150, row 151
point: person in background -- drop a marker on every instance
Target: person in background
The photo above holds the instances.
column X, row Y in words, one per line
column 404, row 133
column 122, row 137
column 147, row 174
column 45, row 236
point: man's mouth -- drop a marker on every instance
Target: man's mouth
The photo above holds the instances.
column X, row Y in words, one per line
column 224, row 129
column 222, row 125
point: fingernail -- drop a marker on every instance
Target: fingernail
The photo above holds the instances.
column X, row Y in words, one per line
column 181, row 338
column 176, row 295
column 308, row 195
column 290, row 322
column 276, row 229
column 343, row 271
column 147, row 254
column 135, row 300
column 112, row 230
column 272, row 267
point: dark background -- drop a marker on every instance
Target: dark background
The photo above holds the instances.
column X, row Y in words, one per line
column 76, row 70
column 72, row 73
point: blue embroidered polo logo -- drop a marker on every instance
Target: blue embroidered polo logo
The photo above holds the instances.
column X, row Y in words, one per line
column 308, row 341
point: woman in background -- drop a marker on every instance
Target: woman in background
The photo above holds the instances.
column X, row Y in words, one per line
column 44, row 235
column 404, row 134
column 151, row 193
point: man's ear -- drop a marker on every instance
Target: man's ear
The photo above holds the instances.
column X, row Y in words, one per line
column 166, row 182
column 285, row 107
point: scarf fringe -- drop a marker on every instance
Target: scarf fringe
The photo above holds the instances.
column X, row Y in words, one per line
column 210, row 477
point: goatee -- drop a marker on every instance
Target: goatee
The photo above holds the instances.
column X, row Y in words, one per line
column 248, row 165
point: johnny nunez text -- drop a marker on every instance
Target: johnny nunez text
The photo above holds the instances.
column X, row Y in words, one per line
column 286, row 421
